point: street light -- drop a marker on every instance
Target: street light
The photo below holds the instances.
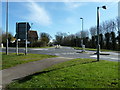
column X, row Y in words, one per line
column 98, row 46
column 7, row 27
column 82, row 36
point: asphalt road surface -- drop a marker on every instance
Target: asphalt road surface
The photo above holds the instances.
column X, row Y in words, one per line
column 68, row 52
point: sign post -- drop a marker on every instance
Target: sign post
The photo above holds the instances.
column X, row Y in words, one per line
column 17, row 46
column 22, row 29
column 26, row 40
column 17, row 39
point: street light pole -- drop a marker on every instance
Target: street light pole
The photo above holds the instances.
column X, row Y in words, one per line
column 82, row 35
column 82, row 31
column 98, row 51
column 98, row 46
column 7, row 27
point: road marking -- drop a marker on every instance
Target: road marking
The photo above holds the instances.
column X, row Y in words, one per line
column 114, row 58
column 66, row 57
column 103, row 57
column 65, row 53
column 57, row 54
column 69, row 53
column 93, row 56
column 39, row 49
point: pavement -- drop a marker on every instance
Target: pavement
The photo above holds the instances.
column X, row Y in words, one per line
column 22, row 70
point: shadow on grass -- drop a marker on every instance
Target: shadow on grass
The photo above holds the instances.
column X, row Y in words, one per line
column 26, row 78
column 21, row 54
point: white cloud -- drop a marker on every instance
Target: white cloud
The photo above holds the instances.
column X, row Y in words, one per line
column 37, row 14
column 63, row 0
column 72, row 5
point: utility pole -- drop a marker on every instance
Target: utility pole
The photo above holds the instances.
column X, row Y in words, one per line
column 7, row 27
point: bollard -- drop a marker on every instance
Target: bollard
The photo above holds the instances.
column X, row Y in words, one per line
column 2, row 45
column 83, row 47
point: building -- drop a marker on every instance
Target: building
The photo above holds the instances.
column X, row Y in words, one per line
column 32, row 36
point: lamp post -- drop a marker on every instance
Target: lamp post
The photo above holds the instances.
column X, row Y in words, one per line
column 82, row 36
column 98, row 46
column 7, row 27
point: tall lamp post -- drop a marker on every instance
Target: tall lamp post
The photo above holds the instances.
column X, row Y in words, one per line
column 98, row 46
column 82, row 36
column 7, row 27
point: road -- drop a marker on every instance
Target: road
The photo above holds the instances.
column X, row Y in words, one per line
column 68, row 52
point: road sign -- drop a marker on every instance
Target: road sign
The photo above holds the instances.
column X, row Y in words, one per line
column 21, row 30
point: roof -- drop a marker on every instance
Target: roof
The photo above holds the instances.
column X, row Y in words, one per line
column 32, row 33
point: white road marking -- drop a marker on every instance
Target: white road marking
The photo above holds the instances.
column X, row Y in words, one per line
column 114, row 58
column 93, row 56
column 39, row 49
column 57, row 54
column 66, row 57
column 103, row 57
column 69, row 53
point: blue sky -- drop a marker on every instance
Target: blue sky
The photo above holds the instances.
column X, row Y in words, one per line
column 52, row 17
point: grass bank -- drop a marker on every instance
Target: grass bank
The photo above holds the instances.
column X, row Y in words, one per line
column 92, row 49
column 12, row 59
column 77, row 73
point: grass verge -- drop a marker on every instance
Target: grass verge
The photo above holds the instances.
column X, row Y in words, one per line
column 77, row 73
column 36, row 47
column 12, row 59
column 92, row 49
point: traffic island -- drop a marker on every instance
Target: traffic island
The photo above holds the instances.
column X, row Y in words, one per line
column 82, row 52
column 102, row 53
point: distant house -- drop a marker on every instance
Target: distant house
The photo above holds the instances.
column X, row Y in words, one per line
column 32, row 36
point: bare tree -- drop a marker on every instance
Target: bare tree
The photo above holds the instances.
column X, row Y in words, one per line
column 45, row 38
column 108, row 26
column 93, row 31
column 59, row 37
column 118, row 24
column 84, row 34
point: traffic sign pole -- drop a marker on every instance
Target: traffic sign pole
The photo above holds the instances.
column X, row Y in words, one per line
column 17, row 39
column 26, row 40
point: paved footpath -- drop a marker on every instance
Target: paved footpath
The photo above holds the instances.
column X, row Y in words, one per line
column 22, row 70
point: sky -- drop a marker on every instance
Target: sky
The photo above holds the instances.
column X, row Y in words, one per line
column 53, row 17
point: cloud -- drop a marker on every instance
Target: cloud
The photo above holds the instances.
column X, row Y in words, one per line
column 63, row 0
column 72, row 5
column 37, row 14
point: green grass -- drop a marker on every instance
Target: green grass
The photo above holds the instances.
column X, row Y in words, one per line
column 77, row 73
column 12, row 59
column 36, row 47
column 42, row 47
column 92, row 49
